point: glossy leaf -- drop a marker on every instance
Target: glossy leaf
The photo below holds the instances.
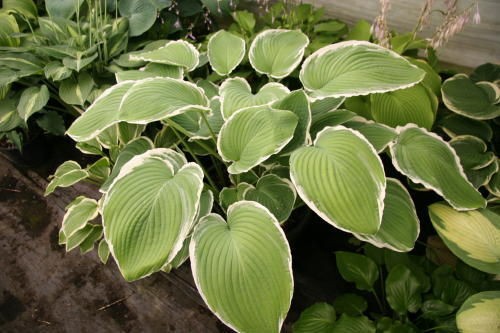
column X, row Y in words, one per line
column 350, row 304
column 318, row 318
column 355, row 68
column 480, row 313
column 357, row 268
column 175, row 53
column 225, row 52
column 403, row 290
column 347, row 190
column 32, row 100
column 251, row 258
column 67, row 174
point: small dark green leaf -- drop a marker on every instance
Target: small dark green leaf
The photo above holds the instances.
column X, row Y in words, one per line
column 403, row 290
column 348, row 324
column 318, row 318
column 435, row 308
column 52, row 122
column 351, row 304
column 357, row 268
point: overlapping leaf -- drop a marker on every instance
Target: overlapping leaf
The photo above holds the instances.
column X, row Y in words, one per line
column 67, row 174
column 479, row 313
column 175, row 53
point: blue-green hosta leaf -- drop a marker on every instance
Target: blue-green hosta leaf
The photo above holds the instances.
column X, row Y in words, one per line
column 252, row 135
column 480, row 313
column 427, row 159
column 225, row 52
column 472, row 100
column 357, row 268
column 332, row 118
column 276, row 194
column 472, row 152
column 62, row 8
column 318, row 318
column 76, row 91
column 213, row 123
column 378, row 135
column 251, row 258
column 400, row 225
column 357, row 324
column 454, row 125
column 79, row 212
column 176, row 53
column 298, row 103
column 277, row 52
column 9, row 116
column 137, row 102
column 33, row 99
column 347, row 190
column 67, row 174
column 351, row 304
column 417, row 105
column 236, row 94
column 473, row 236
column 355, row 68
column 141, row 15
column 403, row 290
column 149, row 209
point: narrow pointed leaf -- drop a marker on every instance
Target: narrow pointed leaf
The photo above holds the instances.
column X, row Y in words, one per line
column 347, row 190
column 33, row 99
column 251, row 258
column 480, row 313
column 67, row 174
column 177, row 53
column 77, row 215
column 318, row 318
column 225, row 52
column 357, row 68
column 427, row 159
column 103, row 251
column 473, row 236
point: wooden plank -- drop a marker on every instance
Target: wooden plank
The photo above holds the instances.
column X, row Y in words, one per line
column 475, row 45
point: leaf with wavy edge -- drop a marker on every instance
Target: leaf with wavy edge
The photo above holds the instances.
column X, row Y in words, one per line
column 149, row 210
column 356, row 68
column 427, row 159
column 236, row 94
column 347, row 190
column 225, row 51
column 250, row 136
column 400, row 225
column 473, row 236
column 176, row 53
column 67, row 174
column 277, row 52
column 472, row 151
column 479, row 313
column 455, row 125
column 250, row 256
column 81, row 211
column 138, row 102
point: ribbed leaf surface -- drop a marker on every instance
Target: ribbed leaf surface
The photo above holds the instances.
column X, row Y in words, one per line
column 318, row 318
column 473, row 236
column 176, row 53
column 78, row 214
column 428, row 160
column 149, row 209
column 242, row 268
column 345, row 188
column 355, row 68
column 225, row 52
column 67, row 174
column 378, row 135
column 480, row 313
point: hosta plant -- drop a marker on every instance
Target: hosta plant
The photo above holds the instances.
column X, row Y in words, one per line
column 190, row 168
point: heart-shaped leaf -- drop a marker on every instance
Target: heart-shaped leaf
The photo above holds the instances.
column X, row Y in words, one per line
column 357, row 268
column 67, row 174
column 427, row 159
column 175, row 53
column 251, row 258
column 277, row 52
column 355, row 68
column 225, row 51
column 318, row 318
column 400, row 225
column 479, row 313
column 149, row 209
column 347, row 190
column 403, row 290
column 473, row 236
column 33, row 99
column 252, row 135
column 236, row 94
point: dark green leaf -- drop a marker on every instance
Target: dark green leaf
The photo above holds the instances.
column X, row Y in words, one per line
column 351, row 304
column 357, row 268
column 318, row 318
column 403, row 290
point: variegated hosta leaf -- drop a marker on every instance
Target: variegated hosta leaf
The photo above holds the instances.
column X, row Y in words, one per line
column 128, row 132
column 494, row 184
column 378, row 135
column 76, row 91
column 149, row 210
column 473, row 100
column 276, row 194
column 480, row 313
column 347, row 190
column 150, row 70
column 252, row 135
column 225, row 51
column 355, row 68
column 473, row 236
column 78, row 213
column 9, row 116
column 432, row 80
column 176, row 53
column 472, row 151
column 332, row 118
column 298, row 103
column 138, row 102
column 400, row 225
column 99, row 170
column 32, row 99
column 67, row 174
column 417, row 105
column 88, row 234
column 213, row 123
column 211, row 89
column 483, row 176
column 251, row 258
column 277, row 52
column 427, row 159
column 454, row 125
column 324, row 105
column 236, row 94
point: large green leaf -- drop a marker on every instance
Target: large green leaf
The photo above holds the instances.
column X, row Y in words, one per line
column 138, row 102
column 400, row 225
column 318, row 318
column 67, row 174
column 32, row 99
column 149, row 209
column 357, row 68
column 473, row 236
column 225, row 52
column 277, row 52
column 403, row 290
column 175, row 53
column 251, row 260
column 427, row 159
column 473, row 100
column 357, row 268
column 480, row 313
column 252, row 135
column 236, row 94
column 346, row 189
column 62, row 8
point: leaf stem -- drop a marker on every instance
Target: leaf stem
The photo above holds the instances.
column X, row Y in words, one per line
column 377, row 299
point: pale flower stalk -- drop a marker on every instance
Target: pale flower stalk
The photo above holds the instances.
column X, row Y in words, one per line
column 379, row 27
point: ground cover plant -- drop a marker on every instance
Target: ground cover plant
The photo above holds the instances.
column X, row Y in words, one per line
column 204, row 155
